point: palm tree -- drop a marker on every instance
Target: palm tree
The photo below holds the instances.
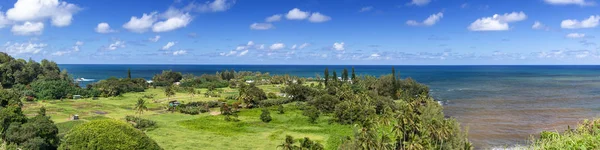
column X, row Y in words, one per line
column 140, row 106
column 288, row 144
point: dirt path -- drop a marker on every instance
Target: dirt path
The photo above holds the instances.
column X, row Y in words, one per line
column 214, row 113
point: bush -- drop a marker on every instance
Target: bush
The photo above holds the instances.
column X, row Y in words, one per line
column 265, row 116
column 271, row 95
column 312, row 113
column 140, row 123
column 107, row 134
column 280, row 109
column 274, row 102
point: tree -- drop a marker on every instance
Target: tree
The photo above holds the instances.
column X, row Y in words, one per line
column 324, row 103
column 265, row 116
column 326, row 74
column 251, row 95
column 354, row 79
column 288, row 144
column 169, row 91
column 107, row 134
column 312, row 113
column 140, row 106
column 345, row 75
column 129, row 73
column 335, row 77
column 192, row 92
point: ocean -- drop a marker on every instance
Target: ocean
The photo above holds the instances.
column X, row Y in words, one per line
column 500, row 105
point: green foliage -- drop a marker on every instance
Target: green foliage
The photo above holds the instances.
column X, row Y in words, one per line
column 140, row 106
column 280, row 109
column 107, row 134
column 140, row 123
column 325, row 103
column 312, row 113
column 38, row 132
column 271, row 95
column 166, row 78
column 305, row 144
column 115, row 87
column 52, row 89
column 358, row 110
column 251, row 95
column 18, row 71
column 299, row 92
column 585, row 136
column 326, row 75
column 274, row 102
column 265, row 116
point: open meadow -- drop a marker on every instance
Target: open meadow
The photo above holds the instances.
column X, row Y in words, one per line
column 206, row 130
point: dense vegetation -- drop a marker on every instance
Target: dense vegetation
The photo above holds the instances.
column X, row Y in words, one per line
column 107, row 134
column 585, row 136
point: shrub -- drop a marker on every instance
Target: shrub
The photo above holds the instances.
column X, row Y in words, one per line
column 274, row 102
column 280, row 109
column 271, row 95
column 140, row 123
column 312, row 113
column 265, row 116
column 107, row 134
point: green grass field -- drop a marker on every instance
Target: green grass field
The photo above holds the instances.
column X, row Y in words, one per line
column 203, row 131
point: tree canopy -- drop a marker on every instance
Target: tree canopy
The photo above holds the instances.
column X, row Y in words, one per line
column 107, row 134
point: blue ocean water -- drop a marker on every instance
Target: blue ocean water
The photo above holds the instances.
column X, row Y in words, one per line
column 500, row 105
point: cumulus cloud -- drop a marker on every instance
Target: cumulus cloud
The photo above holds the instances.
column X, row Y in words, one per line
column 172, row 23
column 104, row 28
column 338, row 46
column 141, row 24
column 59, row 12
column 179, row 52
column 76, row 47
column 590, row 22
column 277, row 46
column 274, row 18
column 168, row 46
column 430, row 21
column 23, row 48
column 214, row 6
column 420, row 2
column 538, row 25
column 3, row 20
column 575, row 35
column 297, row 14
column 154, row 39
column 318, row 18
column 28, row 28
column 303, row 46
column 497, row 22
column 116, row 45
column 366, row 9
column 261, row 26
column 570, row 2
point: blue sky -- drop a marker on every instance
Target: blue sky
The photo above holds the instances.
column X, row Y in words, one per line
column 409, row 32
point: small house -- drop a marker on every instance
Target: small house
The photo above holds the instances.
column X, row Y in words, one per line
column 76, row 96
column 75, row 117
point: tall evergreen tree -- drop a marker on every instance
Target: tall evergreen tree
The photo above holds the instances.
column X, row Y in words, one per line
column 345, row 75
column 326, row 76
column 129, row 73
column 335, row 79
column 353, row 74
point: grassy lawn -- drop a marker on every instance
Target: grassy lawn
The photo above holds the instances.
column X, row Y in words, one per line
column 204, row 131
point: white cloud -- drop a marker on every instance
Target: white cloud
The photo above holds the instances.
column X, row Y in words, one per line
column 591, row 22
column 172, row 23
column 60, row 53
column 243, row 53
column 318, row 18
column 420, row 2
column 303, row 46
column 114, row 46
column 261, row 26
column 59, row 12
column 366, row 9
column 179, row 52
column 569, row 2
column 104, row 28
column 575, row 35
column 168, row 46
column 23, row 48
column 274, row 18
column 297, row 14
column 77, row 46
column 431, row 20
column 294, row 47
column 497, row 22
column 262, row 46
column 215, row 6
column 3, row 20
column 538, row 25
column 338, row 46
column 141, row 24
column 277, row 46
column 154, row 39
column 28, row 28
